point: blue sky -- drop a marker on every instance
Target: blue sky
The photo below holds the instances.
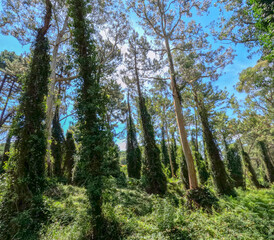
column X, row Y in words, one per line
column 228, row 80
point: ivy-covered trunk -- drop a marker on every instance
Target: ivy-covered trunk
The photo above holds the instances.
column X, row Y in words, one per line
column 24, row 196
column 234, row 165
column 70, row 151
column 184, row 172
column 248, row 165
column 219, row 173
column 94, row 137
column 155, row 178
column 200, row 162
column 57, row 144
column 267, row 161
column 133, row 157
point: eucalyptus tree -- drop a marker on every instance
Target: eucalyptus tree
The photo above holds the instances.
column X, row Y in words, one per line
column 28, row 176
column 196, row 67
column 137, row 65
column 164, row 20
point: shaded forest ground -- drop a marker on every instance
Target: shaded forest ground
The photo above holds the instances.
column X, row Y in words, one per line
column 133, row 214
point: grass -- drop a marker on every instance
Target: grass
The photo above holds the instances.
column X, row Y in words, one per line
column 143, row 216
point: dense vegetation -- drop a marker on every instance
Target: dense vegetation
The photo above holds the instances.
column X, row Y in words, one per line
column 198, row 161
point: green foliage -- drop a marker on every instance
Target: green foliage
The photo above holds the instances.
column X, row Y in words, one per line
column 200, row 162
column 57, row 144
column 6, row 153
column 184, row 172
column 70, row 151
column 133, row 152
column 219, row 174
column 164, row 151
column 139, row 215
column 95, row 138
column 266, row 159
column 263, row 13
column 234, row 165
column 252, row 174
column 155, row 179
column 201, row 198
column 173, row 154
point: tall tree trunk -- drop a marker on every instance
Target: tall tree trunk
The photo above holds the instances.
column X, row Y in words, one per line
column 51, row 95
column 193, row 183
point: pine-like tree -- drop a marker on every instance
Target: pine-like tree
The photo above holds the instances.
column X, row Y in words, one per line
column 152, row 170
column 267, row 161
column 154, row 176
column 57, row 144
column 24, row 196
column 70, row 151
column 95, row 138
column 134, row 157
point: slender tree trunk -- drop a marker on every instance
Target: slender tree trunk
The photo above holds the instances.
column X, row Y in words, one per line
column 193, row 183
column 51, row 95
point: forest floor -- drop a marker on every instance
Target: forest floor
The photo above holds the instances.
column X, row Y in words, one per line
column 133, row 214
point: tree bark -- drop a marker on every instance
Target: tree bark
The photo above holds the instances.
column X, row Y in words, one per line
column 193, row 183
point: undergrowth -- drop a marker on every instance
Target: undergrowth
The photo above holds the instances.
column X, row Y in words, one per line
column 138, row 215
